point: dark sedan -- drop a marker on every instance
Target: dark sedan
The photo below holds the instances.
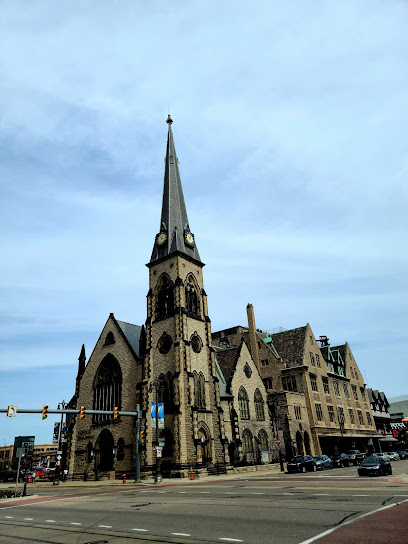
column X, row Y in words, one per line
column 374, row 466
column 341, row 460
column 302, row 463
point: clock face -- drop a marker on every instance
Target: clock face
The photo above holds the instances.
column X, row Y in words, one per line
column 189, row 238
column 161, row 238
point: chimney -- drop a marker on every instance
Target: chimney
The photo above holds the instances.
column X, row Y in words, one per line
column 253, row 338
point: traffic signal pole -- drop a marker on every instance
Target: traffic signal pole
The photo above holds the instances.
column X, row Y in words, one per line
column 83, row 412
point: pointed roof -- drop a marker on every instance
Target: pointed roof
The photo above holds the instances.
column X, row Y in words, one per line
column 174, row 221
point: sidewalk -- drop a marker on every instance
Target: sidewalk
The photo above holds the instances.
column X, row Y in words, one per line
column 241, row 472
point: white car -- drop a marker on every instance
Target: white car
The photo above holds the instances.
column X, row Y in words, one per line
column 383, row 455
column 393, row 456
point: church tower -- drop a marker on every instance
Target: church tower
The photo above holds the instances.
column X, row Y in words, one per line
column 179, row 364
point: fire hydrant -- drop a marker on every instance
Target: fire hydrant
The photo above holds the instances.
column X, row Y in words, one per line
column 124, row 478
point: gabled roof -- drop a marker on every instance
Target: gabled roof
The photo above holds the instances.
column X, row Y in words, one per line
column 290, row 345
column 227, row 359
column 131, row 333
column 174, row 221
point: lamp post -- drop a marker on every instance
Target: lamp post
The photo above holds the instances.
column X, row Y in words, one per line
column 61, row 406
column 157, row 385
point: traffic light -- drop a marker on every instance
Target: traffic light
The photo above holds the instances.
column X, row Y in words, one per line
column 142, row 437
column 116, row 413
column 82, row 412
column 45, row 411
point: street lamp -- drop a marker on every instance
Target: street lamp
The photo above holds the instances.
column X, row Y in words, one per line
column 157, row 385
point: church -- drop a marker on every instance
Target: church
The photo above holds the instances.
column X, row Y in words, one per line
column 234, row 397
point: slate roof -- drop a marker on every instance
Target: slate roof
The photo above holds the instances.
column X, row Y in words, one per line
column 289, row 345
column 132, row 334
column 226, row 359
column 174, row 220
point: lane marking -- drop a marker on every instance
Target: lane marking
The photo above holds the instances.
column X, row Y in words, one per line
column 287, row 493
column 360, row 495
column 317, row 537
column 9, row 517
column 75, row 523
column 180, row 534
column 258, row 493
column 202, row 492
column 28, row 519
column 321, row 494
column 182, row 491
column 50, row 520
column 231, row 539
column 144, row 530
column 105, row 526
column 162, row 492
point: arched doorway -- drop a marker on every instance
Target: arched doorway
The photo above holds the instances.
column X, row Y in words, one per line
column 307, row 443
column 105, row 444
column 299, row 443
column 203, row 448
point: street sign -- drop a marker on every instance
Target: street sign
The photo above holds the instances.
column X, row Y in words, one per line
column 159, row 452
column 12, row 411
column 278, row 444
column 59, row 452
column 59, row 457
column 162, row 442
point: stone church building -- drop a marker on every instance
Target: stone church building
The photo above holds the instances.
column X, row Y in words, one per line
column 227, row 395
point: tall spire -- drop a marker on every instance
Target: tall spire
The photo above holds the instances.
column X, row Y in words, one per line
column 174, row 235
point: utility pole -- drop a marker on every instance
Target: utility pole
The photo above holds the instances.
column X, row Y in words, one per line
column 137, row 468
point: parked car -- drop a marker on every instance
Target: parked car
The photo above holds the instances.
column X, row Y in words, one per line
column 355, row 456
column 341, row 460
column 374, row 466
column 393, row 455
column 302, row 463
column 403, row 454
column 322, row 462
column 383, row 455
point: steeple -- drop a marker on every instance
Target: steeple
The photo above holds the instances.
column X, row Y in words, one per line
column 174, row 235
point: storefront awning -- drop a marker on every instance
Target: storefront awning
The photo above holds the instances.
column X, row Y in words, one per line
column 390, row 439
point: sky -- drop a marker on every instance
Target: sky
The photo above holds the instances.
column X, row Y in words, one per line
column 290, row 124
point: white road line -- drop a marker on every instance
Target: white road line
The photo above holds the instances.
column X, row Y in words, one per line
column 9, row 517
column 144, row 491
column 162, row 492
column 229, row 493
column 204, row 491
column 400, row 495
column 75, row 523
column 258, row 493
column 321, row 494
column 182, row 491
column 231, row 539
column 287, row 493
column 317, row 537
column 28, row 519
column 144, row 530
column 105, row 526
column 360, row 495
column 50, row 520
column 180, row 534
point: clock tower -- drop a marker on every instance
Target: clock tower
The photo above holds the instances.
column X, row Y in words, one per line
column 179, row 364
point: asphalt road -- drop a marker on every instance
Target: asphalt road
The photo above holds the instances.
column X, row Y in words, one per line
column 287, row 509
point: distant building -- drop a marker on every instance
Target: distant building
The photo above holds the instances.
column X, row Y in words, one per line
column 399, row 405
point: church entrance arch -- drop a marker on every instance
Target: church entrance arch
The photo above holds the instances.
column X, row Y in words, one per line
column 299, row 443
column 204, row 446
column 105, row 448
column 307, row 443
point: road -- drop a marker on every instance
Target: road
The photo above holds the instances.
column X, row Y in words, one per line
column 287, row 509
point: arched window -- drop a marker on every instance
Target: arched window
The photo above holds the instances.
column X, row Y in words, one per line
column 192, row 304
column 199, row 390
column 110, row 339
column 263, row 440
column 107, row 388
column 166, row 391
column 120, row 450
column 259, row 406
column 243, row 402
column 247, row 445
column 165, row 298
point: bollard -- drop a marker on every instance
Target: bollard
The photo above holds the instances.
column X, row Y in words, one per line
column 191, row 473
column 124, row 478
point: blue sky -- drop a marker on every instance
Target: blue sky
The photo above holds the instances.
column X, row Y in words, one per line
column 290, row 124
